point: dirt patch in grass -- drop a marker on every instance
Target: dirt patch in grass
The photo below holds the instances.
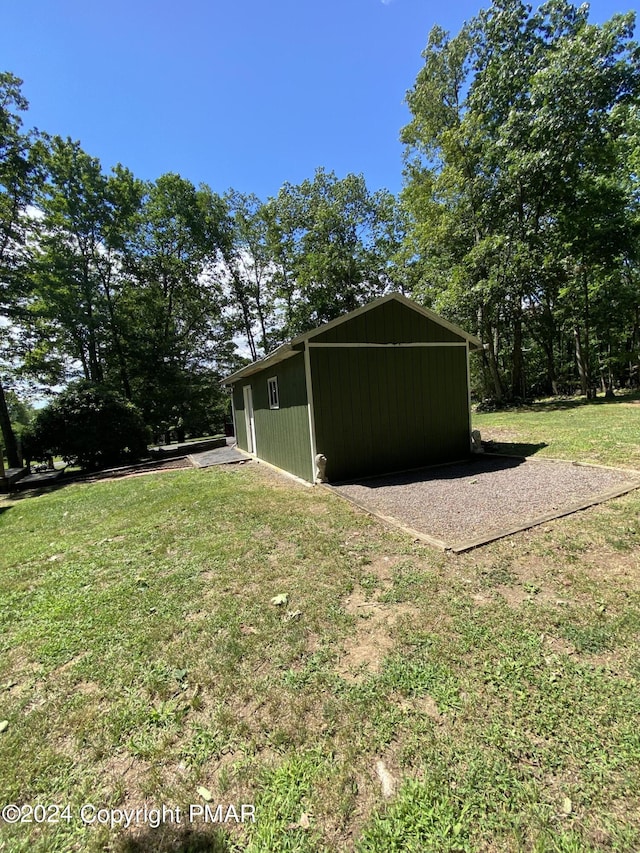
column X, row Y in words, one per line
column 382, row 568
column 276, row 479
column 364, row 653
column 558, row 646
column 608, row 565
column 283, row 554
column 87, row 688
column 19, row 668
column 129, row 776
column 500, row 434
column 65, row 667
column 532, row 584
column 425, row 705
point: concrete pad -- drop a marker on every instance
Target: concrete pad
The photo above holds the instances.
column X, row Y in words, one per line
column 220, row 456
column 42, row 479
column 12, row 475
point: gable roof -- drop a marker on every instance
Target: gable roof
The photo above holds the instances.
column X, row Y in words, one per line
column 292, row 347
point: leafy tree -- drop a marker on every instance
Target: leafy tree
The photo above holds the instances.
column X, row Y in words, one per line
column 176, row 329
column 316, row 250
column 19, row 173
column 90, row 425
column 517, row 181
column 81, row 296
column 329, row 240
column 122, row 282
column 20, row 412
column 248, row 265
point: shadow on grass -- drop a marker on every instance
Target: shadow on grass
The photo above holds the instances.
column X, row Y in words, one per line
column 176, row 839
column 36, row 493
column 515, row 448
column 4, row 509
column 560, row 404
column 33, row 489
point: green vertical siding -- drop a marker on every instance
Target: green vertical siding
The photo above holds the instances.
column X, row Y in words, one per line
column 390, row 323
column 376, row 409
column 383, row 409
column 282, row 435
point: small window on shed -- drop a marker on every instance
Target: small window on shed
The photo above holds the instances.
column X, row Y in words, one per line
column 274, row 397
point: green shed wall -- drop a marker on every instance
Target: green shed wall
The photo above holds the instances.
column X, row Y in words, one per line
column 282, row 435
column 390, row 323
column 381, row 409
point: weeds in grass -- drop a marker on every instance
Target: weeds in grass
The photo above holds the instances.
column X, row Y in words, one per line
column 282, row 808
column 141, row 658
column 425, row 816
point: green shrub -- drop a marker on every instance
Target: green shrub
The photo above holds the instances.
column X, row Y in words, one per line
column 89, row 425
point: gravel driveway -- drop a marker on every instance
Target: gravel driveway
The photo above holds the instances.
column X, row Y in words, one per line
column 485, row 497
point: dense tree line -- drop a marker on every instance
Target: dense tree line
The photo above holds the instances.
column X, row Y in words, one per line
column 158, row 289
column 519, row 219
column 522, row 189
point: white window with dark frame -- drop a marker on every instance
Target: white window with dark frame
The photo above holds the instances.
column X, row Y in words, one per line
column 274, row 396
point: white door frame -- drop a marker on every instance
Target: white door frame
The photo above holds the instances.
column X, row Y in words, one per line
column 249, row 418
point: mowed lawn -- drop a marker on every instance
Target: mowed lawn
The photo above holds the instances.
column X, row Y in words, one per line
column 398, row 699
column 604, row 433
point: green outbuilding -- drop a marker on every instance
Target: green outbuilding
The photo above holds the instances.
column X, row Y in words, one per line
column 382, row 389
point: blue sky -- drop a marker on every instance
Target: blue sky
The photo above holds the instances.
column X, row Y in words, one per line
column 243, row 93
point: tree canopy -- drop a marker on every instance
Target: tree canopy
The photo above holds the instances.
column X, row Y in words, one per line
column 19, row 173
column 521, row 193
column 519, row 219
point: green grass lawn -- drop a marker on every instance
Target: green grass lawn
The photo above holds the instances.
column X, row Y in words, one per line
column 602, row 432
column 495, row 693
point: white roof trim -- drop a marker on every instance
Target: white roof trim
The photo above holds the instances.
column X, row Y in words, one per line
column 397, row 297
column 280, row 354
column 287, row 350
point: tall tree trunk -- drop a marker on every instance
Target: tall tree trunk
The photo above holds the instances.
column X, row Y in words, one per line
column 551, row 372
column 606, row 374
column 583, row 367
column 549, row 357
column 548, row 345
column 489, row 355
column 586, row 347
column 117, row 341
column 246, row 313
column 634, row 369
column 10, row 443
column 545, row 335
column 517, row 372
column 603, row 380
column 95, row 368
column 263, row 323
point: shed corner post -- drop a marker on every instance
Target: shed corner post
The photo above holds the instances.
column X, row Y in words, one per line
column 310, row 410
column 469, row 398
column 233, row 413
